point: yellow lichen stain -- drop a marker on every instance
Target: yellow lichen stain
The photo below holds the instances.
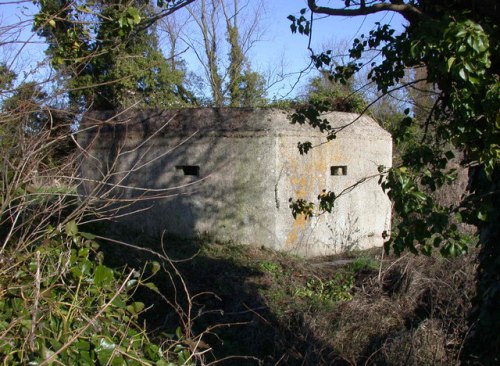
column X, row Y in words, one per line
column 300, row 185
column 305, row 181
column 320, row 166
column 299, row 224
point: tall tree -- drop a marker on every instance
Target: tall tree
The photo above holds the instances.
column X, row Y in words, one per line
column 458, row 44
column 230, row 77
column 206, row 19
column 236, row 56
column 108, row 52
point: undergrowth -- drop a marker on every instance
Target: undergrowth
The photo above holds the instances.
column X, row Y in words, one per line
column 361, row 308
column 60, row 302
column 74, row 291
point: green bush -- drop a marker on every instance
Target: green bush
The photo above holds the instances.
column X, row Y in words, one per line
column 60, row 304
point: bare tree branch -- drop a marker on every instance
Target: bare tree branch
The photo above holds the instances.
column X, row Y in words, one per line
column 410, row 12
column 162, row 14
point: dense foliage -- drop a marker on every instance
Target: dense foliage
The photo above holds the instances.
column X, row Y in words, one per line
column 457, row 43
column 108, row 54
column 59, row 302
column 335, row 96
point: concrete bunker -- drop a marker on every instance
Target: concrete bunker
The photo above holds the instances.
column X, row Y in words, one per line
column 231, row 173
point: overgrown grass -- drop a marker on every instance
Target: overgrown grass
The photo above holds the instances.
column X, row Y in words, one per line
column 355, row 308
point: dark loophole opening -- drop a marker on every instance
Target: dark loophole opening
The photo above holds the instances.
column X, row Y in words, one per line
column 338, row 170
column 189, row 169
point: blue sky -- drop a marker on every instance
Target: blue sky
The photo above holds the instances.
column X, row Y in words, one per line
column 327, row 31
column 278, row 46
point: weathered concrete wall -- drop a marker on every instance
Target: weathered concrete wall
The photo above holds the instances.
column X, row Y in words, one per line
column 248, row 166
column 362, row 212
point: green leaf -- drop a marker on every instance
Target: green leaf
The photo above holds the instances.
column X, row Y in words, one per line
column 480, row 45
column 118, row 302
column 462, row 74
column 83, row 253
column 450, row 62
column 483, row 216
column 103, row 275
column 104, row 350
column 134, row 14
column 88, row 235
column 131, row 283
column 178, row 333
column 414, row 49
column 136, row 307
column 82, row 345
column 105, row 344
column 461, row 33
column 71, row 228
column 419, row 195
column 85, row 267
column 155, row 267
column 118, row 360
column 152, row 287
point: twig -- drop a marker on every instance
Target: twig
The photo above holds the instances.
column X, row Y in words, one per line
column 380, row 267
column 258, row 315
column 79, row 333
column 35, row 303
